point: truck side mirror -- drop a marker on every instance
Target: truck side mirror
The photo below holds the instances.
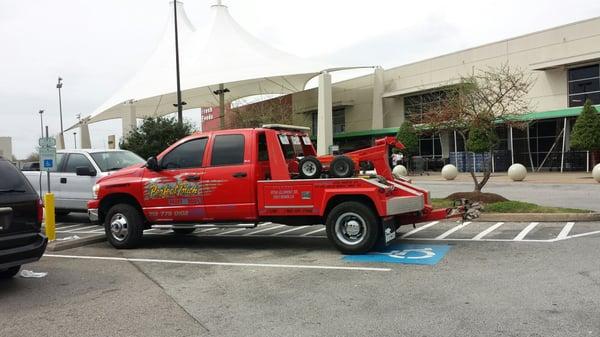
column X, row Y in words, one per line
column 85, row 171
column 152, row 164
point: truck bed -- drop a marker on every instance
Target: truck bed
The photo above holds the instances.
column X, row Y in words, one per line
column 311, row 197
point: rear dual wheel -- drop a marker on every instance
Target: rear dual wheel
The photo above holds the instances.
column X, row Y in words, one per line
column 352, row 227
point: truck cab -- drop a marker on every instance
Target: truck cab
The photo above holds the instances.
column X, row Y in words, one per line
column 250, row 176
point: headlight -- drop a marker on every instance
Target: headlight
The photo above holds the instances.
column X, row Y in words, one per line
column 95, row 190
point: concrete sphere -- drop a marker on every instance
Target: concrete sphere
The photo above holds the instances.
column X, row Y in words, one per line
column 449, row 172
column 400, row 170
column 517, row 172
column 596, row 173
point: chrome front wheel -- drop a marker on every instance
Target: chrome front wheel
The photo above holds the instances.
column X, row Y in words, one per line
column 119, row 227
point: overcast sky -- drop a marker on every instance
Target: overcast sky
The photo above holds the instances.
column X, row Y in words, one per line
column 96, row 45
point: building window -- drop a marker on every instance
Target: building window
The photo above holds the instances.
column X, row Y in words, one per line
column 430, row 146
column 417, row 105
column 584, row 83
column 339, row 121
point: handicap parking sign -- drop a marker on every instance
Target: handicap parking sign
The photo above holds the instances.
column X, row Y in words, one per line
column 404, row 253
column 48, row 163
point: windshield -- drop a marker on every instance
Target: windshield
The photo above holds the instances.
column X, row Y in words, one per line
column 115, row 160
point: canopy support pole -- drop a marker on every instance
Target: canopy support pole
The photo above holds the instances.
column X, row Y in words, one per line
column 129, row 120
column 84, row 133
column 378, row 88
column 324, row 115
column 60, row 141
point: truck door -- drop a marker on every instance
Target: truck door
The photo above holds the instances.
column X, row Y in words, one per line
column 229, row 181
column 175, row 193
column 74, row 191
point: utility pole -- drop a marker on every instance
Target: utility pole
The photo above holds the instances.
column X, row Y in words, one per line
column 221, row 92
column 179, row 104
column 75, row 139
column 41, row 123
column 59, row 86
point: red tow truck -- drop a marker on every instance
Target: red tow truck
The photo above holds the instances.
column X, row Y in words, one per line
column 224, row 178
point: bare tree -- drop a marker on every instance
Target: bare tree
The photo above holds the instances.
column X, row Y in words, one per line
column 477, row 104
column 274, row 110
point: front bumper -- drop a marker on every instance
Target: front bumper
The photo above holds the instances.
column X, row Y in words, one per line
column 19, row 249
column 93, row 214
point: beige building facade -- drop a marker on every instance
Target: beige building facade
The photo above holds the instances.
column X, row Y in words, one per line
column 6, row 147
column 562, row 60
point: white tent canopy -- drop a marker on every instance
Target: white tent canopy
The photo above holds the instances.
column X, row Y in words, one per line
column 224, row 53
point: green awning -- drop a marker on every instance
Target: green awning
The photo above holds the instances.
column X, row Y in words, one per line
column 568, row 112
column 560, row 113
column 366, row 133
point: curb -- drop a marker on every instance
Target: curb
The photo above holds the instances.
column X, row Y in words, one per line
column 55, row 246
column 541, row 217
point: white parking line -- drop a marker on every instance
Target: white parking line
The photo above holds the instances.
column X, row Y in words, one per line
column 288, row 230
column 85, row 228
column 525, row 231
column 452, row 230
column 565, row 231
column 233, row 231
column 264, row 230
column 581, row 235
column 487, row 231
column 67, row 227
column 489, row 240
column 313, row 232
column 206, row 230
column 226, row 264
column 418, row 229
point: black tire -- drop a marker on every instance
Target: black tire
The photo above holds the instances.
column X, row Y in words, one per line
column 342, row 167
column 124, row 226
column 183, row 231
column 309, row 167
column 9, row 273
column 366, row 226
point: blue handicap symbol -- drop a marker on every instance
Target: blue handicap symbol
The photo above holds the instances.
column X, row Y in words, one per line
column 405, row 253
column 47, row 162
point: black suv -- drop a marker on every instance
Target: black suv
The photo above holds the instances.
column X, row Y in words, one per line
column 21, row 240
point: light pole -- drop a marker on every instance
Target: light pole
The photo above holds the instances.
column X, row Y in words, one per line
column 75, row 139
column 42, row 122
column 59, row 86
column 179, row 104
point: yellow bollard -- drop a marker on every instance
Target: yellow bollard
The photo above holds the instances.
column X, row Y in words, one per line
column 49, row 216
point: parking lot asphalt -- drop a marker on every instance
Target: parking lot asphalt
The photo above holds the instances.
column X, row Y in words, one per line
column 292, row 284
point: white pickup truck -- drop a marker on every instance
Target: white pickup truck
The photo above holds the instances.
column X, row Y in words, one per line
column 76, row 173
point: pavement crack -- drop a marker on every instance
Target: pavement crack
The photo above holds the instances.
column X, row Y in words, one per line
column 166, row 293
